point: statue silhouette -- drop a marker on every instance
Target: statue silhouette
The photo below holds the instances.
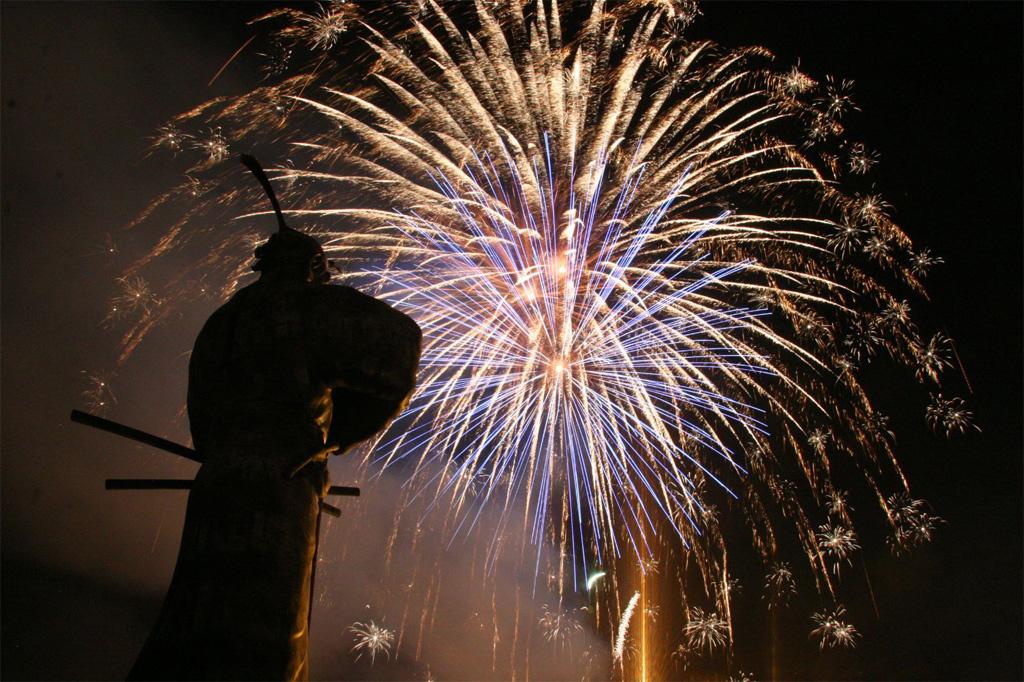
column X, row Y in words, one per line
column 288, row 372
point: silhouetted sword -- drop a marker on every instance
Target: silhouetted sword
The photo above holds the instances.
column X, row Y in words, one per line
column 137, row 435
column 186, row 484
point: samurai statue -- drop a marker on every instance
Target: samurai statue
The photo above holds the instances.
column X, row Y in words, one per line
column 288, row 372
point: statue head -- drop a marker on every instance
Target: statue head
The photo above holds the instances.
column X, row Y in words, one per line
column 289, row 255
column 292, row 256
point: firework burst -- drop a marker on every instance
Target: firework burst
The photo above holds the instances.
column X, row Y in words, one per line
column 913, row 525
column 950, row 415
column 559, row 627
column 645, row 298
column 371, row 639
column 837, row 543
column 134, row 298
column 832, row 630
column 779, row 585
column 98, row 394
column 705, row 630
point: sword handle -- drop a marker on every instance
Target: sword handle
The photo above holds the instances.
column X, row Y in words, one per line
column 134, row 434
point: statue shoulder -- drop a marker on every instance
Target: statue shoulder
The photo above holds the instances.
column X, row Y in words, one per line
column 341, row 302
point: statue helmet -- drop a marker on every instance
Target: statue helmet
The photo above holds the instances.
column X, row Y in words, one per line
column 287, row 248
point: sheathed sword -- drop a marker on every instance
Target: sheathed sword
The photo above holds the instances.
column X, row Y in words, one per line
column 140, row 436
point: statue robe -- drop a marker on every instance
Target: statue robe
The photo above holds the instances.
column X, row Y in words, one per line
column 276, row 373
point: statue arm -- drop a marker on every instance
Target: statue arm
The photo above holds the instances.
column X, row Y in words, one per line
column 367, row 353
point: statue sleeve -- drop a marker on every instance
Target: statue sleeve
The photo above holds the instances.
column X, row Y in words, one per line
column 367, row 353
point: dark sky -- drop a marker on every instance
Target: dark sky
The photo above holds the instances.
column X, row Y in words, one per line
column 84, row 84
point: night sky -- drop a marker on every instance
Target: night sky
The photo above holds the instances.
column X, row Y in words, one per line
column 83, row 87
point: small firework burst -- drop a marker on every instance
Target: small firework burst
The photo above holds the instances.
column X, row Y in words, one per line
column 822, row 127
column 681, row 13
column 897, row 314
column 832, row 631
column 98, row 395
column 779, row 585
column 194, row 187
column 860, row 159
column 932, row 357
column 133, row 298
column 471, row 482
column 558, row 627
column 277, row 58
column 878, row 423
column 949, row 414
column 837, row 542
column 818, row 439
column 838, row 504
column 862, row 337
column 844, row 365
column 837, row 100
column 213, row 144
column 847, row 237
column 727, row 589
column 813, row 326
column 110, row 246
column 878, row 246
column 371, row 639
column 923, row 261
column 913, row 525
column 795, row 82
column 317, row 30
column 170, row 138
column 705, row 630
column 871, row 207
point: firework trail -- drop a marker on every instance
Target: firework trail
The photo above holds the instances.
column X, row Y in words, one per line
column 645, row 293
column 623, row 632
